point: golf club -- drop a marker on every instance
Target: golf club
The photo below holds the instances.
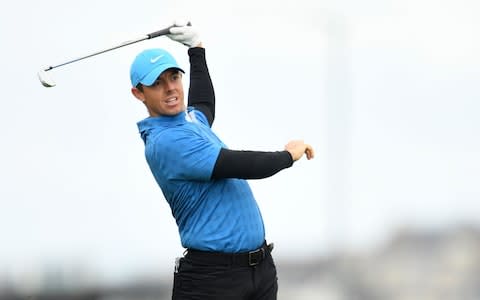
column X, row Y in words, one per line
column 47, row 81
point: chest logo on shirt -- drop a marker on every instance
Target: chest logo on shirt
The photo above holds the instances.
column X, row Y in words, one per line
column 190, row 117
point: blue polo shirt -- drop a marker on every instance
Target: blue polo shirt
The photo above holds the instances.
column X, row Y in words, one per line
column 212, row 215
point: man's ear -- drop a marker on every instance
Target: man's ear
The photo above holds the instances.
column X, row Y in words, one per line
column 138, row 94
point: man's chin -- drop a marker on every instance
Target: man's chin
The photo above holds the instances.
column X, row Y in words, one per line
column 175, row 112
column 168, row 112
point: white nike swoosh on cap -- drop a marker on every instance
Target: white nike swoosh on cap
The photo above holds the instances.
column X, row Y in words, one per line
column 154, row 59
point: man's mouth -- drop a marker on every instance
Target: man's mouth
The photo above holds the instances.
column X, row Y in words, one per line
column 171, row 101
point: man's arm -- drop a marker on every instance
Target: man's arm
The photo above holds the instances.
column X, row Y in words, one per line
column 201, row 94
column 258, row 164
column 250, row 164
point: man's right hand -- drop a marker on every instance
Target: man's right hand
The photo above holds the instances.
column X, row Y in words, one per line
column 297, row 148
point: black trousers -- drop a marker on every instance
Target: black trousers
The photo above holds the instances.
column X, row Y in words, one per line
column 218, row 276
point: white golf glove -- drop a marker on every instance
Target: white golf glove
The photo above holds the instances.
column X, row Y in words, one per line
column 185, row 34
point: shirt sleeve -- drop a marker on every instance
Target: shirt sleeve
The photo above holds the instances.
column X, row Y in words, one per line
column 250, row 164
column 186, row 156
column 201, row 94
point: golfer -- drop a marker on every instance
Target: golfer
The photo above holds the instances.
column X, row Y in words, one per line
column 205, row 182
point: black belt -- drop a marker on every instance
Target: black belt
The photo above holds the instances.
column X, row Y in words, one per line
column 246, row 259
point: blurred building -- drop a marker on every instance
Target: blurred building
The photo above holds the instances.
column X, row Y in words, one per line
column 413, row 265
column 443, row 265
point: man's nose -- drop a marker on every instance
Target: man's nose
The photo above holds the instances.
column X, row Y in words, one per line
column 169, row 85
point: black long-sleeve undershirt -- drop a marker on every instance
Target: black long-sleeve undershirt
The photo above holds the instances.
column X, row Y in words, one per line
column 201, row 94
column 229, row 163
column 250, row 164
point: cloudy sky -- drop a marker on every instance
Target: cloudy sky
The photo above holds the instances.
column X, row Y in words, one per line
column 385, row 91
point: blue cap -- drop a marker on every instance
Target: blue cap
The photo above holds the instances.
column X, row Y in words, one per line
column 149, row 64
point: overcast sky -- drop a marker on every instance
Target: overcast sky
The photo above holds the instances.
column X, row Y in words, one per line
column 386, row 92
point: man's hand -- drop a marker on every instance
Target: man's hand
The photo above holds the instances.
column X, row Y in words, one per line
column 297, row 148
column 185, row 34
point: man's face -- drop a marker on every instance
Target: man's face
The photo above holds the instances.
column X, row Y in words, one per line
column 165, row 97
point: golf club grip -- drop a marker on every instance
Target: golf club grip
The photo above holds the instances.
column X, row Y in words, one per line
column 163, row 31
column 159, row 33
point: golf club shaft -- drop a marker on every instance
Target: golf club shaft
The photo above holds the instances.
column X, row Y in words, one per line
column 145, row 37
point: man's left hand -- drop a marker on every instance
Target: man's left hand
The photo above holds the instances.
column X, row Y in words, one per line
column 186, row 34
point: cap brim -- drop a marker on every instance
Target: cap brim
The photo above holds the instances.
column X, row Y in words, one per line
column 153, row 75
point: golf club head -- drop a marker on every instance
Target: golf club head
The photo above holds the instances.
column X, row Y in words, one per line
column 45, row 79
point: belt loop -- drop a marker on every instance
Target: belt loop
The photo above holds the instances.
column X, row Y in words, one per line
column 270, row 247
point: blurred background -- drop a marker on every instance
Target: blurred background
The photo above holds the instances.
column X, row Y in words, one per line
column 385, row 91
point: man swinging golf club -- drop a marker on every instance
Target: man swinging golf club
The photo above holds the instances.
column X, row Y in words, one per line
column 203, row 181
